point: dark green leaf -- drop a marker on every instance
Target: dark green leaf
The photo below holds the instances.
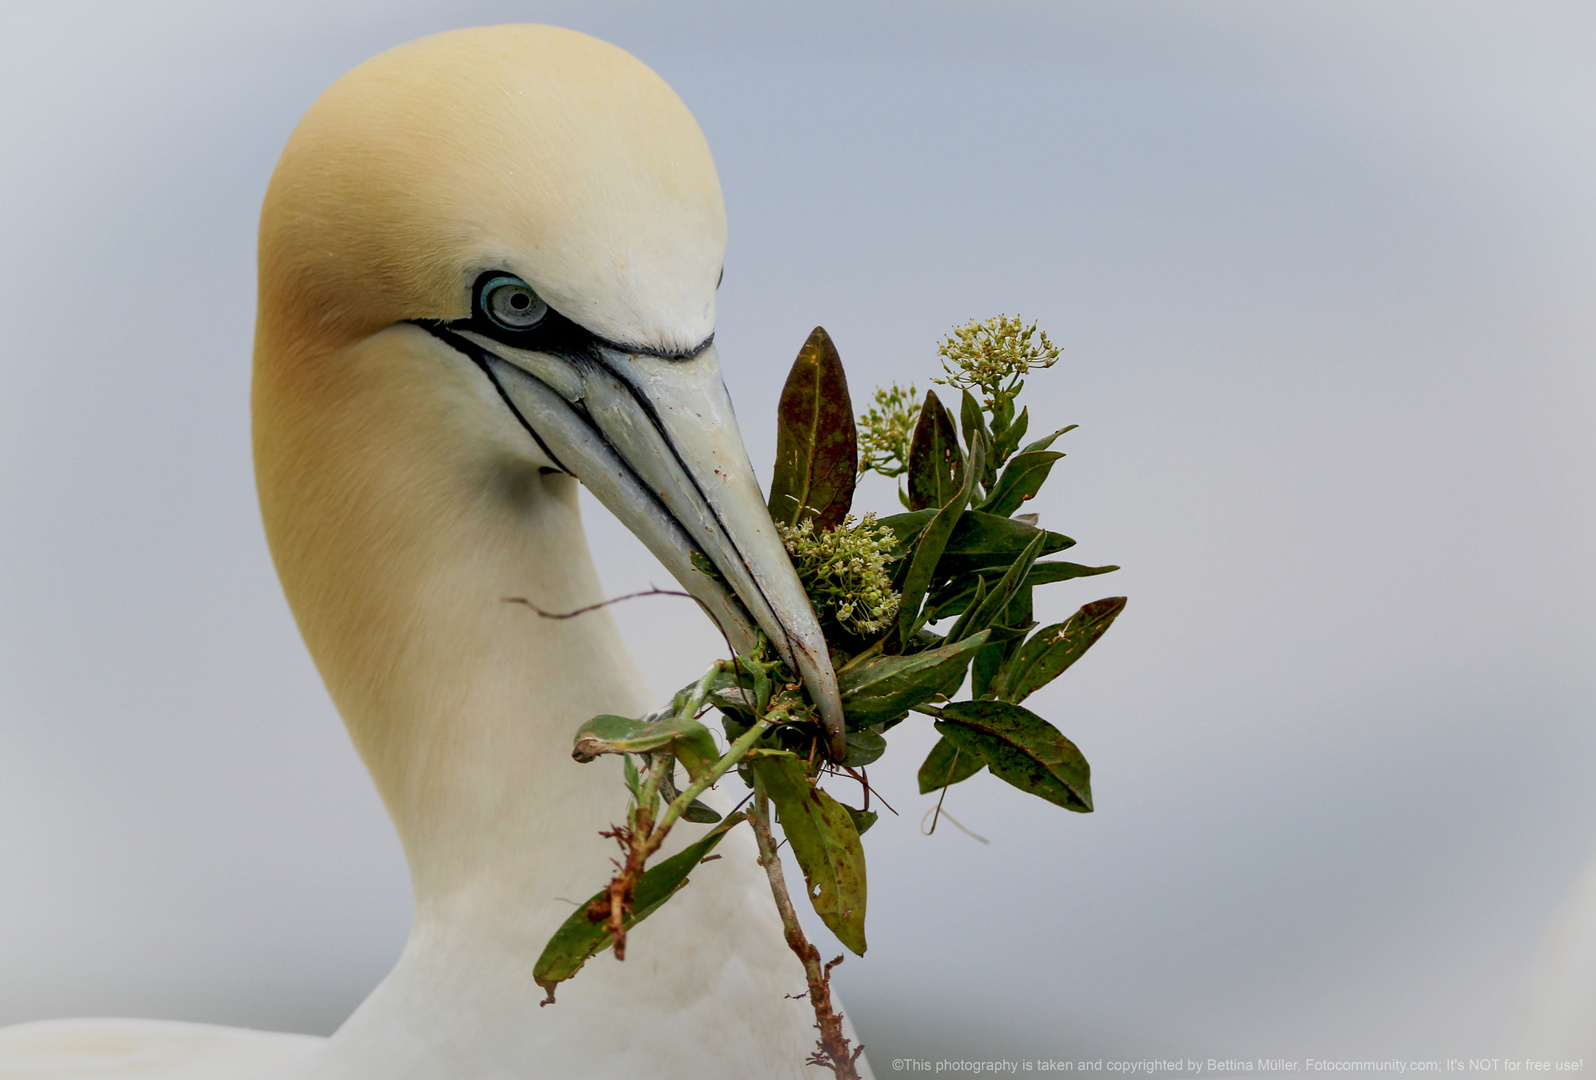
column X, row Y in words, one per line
column 983, row 614
column 928, row 549
column 985, row 668
column 817, row 447
column 863, row 747
column 946, row 765
column 700, row 813
column 1021, row 479
column 1002, row 643
column 862, row 819
column 887, row 687
column 578, row 940
column 696, row 811
column 979, row 538
column 689, row 740
column 1003, row 408
column 955, row 598
column 1022, row 749
column 1045, row 573
column 976, row 600
column 1053, row 649
column 826, row 844
column 936, row 464
column 1011, row 436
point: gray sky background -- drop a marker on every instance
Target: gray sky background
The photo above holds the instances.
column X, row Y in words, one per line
column 1324, row 275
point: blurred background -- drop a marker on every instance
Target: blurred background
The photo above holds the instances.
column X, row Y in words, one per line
column 1324, row 276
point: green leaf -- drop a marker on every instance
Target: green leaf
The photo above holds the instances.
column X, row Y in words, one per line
column 1047, row 440
column 978, row 539
column 1022, row 749
column 863, row 747
column 579, row 940
column 1021, row 479
column 1045, row 573
column 629, row 774
column 1053, row 649
column 743, row 692
column 689, row 740
column 956, row 597
column 985, row 668
column 946, row 765
column 702, row 564
column 1003, row 643
column 983, row 614
column 936, row 464
column 1005, row 443
column 976, row 600
column 928, row 550
column 825, row 842
column 696, row 811
column 817, row 445
column 862, row 819
column 974, row 423
column 887, row 687
column 700, row 813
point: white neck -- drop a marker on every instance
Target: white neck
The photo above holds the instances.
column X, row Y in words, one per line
column 403, row 505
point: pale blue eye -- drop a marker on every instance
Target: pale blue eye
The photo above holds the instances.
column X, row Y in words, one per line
column 511, row 303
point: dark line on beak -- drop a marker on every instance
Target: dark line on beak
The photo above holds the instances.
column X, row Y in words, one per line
column 649, row 411
column 479, row 356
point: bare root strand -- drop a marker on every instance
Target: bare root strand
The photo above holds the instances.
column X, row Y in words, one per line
column 833, row 1050
column 864, row 781
column 614, row 904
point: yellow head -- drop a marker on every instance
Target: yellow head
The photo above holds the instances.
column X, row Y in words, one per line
column 391, row 399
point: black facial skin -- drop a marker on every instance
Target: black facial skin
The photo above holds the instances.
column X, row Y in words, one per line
column 553, row 333
column 556, row 335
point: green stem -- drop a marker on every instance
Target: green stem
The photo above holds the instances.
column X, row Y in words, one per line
column 873, row 651
column 660, row 762
column 731, row 757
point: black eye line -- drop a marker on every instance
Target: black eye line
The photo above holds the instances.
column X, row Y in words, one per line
column 479, row 356
column 554, row 333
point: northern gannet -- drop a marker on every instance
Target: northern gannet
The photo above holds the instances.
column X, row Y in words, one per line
column 488, row 263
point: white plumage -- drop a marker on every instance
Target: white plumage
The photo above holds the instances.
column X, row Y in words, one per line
column 416, row 464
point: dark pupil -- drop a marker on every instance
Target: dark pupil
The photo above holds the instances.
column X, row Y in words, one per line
column 520, row 301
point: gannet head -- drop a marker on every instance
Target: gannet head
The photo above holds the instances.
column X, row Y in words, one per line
column 545, row 207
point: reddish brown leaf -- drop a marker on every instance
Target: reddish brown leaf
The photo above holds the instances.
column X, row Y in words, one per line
column 817, row 447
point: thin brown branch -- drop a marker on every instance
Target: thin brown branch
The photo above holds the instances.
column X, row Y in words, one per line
column 833, row 1050
column 951, row 766
column 650, row 591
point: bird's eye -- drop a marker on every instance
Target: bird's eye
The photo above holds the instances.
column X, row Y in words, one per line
column 510, row 302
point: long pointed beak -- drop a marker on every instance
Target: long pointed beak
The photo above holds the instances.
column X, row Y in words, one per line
column 655, row 439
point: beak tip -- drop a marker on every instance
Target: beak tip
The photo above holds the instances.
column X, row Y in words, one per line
column 821, row 681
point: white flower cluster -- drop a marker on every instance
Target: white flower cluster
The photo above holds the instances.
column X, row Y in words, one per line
column 886, row 429
column 844, row 571
column 992, row 355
